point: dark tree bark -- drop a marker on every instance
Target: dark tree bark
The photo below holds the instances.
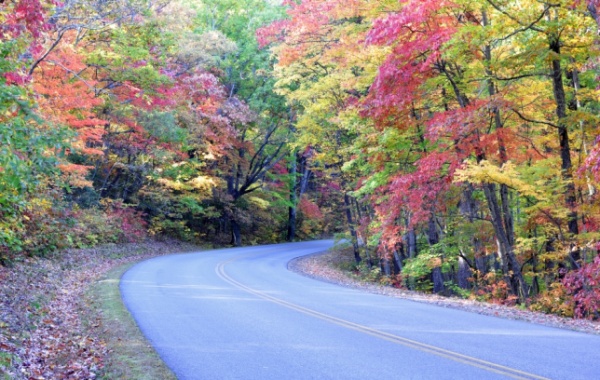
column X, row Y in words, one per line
column 397, row 260
column 386, row 266
column 245, row 179
column 297, row 190
column 236, row 233
column 463, row 273
column 511, row 268
column 501, row 221
column 291, row 232
column 560, row 99
column 433, row 238
column 411, row 243
column 350, row 221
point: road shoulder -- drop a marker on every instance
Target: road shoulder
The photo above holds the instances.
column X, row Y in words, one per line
column 326, row 267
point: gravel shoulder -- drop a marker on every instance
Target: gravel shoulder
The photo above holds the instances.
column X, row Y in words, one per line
column 324, row 267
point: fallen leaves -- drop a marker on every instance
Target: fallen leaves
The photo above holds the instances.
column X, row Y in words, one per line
column 326, row 268
column 42, row 335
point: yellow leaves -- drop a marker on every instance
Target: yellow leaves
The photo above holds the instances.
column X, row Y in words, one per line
column 209, row 156
column 259, row 202
column 178, row 15
column 173, row 185
column 486, row 172
column 203, row 185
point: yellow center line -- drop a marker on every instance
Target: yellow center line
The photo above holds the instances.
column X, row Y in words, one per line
column 455, row 356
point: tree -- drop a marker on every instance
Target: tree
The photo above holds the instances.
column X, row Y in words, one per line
column 323, row 72
column 30, row 151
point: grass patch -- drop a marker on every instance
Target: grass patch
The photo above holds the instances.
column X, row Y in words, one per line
column 130, row 354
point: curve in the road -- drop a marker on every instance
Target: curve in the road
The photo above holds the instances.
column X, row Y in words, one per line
column 483, row 364
column 241, row 314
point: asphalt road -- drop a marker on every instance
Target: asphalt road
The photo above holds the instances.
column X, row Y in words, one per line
column 240, row 314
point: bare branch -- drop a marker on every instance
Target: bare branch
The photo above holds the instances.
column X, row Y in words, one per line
column 522, row 117
column 515, row 19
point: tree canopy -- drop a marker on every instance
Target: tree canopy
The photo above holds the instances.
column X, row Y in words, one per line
column 453, row 143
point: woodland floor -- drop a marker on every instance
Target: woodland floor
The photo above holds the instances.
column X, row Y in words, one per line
column 48, row 329
column 326, row 267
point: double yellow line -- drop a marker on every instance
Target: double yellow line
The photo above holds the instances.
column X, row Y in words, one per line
column 455, row 356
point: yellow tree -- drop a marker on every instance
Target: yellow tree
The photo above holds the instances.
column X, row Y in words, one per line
column 323, row 70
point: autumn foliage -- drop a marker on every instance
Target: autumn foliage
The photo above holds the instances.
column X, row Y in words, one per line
column 454, row 143
column 465, row 138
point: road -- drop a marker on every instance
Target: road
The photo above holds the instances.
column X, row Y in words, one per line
column 240, row 314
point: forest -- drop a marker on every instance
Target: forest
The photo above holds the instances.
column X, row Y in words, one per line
column 454, row 144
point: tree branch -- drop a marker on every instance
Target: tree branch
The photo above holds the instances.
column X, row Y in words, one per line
column 522, row 117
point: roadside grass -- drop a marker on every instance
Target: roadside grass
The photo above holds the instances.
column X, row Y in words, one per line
column 130, row 354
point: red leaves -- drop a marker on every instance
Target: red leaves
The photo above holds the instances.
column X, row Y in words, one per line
column 26, row 16
column 310, row 23
column 417, row 34
column 26, row 20
column 414, row 18
column 16, row 79
column 70, row 102
column 272, row 33
column 132, row 224
column 310, row 209
column 584, row 285
column 592, row 161
column 418, row 191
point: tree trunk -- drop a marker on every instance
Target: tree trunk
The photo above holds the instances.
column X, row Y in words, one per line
column 468, row 205
column 385, row 264
column 510, row 264
column 563, row 133
column 463, row 274
column 433, row 238
column 411, row 243
column 410, row 239
column 397, row 262
column 236, row 233
column 296, row 192
column 291, row 232
column 507, row 218
column 350, row 221
column 438, row 280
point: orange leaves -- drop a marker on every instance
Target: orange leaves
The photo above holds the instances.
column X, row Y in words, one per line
column 75, row 175
column 66, row 96
column 314, row 25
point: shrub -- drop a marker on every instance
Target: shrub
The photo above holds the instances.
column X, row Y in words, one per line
column 583, row 285
column 555, row 300
column 493, row 288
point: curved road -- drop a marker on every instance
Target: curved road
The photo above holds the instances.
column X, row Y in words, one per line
column 240, row 314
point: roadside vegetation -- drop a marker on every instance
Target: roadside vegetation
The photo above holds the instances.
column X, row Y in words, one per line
column 62, row 317
column 337, row 266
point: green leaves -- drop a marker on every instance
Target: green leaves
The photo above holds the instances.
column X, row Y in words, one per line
column 29, row 152
column 163, row 126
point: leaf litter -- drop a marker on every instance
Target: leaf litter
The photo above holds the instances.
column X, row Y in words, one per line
column 42, row 334
column 325, row 267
